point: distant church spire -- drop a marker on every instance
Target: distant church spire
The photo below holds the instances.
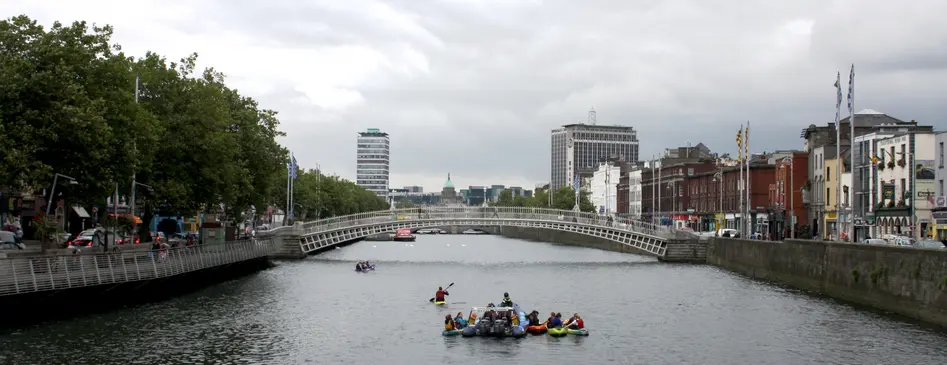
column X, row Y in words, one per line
column 448, row 176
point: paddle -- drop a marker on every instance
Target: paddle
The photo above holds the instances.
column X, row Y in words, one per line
column 445, row 289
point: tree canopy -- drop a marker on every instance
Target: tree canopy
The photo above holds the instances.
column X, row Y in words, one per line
column 68, row 106
column 563, row 198
column 318, row 196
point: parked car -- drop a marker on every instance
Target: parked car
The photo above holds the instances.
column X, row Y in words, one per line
column 874, row 241
column 930, row 244
column 9, row 241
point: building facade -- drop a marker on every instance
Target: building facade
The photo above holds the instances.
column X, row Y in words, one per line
column 634, row 193
column 907, row 185
column 866, row 121
column 581, row 147
column 787, row 197
column 603, row 188
column 373, row 161
column 939, row 210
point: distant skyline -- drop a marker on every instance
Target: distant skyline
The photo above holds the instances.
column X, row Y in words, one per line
column 474, row 87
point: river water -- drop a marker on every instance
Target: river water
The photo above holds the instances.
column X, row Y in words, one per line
column 638, row 311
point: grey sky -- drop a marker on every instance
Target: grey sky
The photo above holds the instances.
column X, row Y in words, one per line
column 473, row 87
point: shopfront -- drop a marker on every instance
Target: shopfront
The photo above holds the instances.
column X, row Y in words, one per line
column 940, row 224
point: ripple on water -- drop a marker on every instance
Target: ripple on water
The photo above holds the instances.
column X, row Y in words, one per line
column 638, row 311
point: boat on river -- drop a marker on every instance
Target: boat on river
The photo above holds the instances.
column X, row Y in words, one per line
column 404, row 235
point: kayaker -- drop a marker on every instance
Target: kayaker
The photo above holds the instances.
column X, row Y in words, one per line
column 507, row 302
column 575, row 322
column 534, row 318
column 358, row 267
column 459, row 321
column 554, row 321
column 449, row 323
column 439, row 296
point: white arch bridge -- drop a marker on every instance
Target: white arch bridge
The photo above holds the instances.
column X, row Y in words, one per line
column 647, row 238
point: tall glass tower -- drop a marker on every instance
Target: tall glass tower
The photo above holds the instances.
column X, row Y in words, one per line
column 372, row 161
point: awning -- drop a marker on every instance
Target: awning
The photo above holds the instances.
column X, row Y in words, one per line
column 137, row 219
column 81, row 211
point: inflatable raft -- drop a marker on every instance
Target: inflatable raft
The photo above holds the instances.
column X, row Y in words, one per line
column 536, row 330
column 451, row 332
column 557, row 332
column 578, row 332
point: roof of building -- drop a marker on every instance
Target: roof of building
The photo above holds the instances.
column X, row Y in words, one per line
column 448, row 184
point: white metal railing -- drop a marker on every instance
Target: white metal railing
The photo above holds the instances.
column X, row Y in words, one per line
column 524, row 213
column 27, row 274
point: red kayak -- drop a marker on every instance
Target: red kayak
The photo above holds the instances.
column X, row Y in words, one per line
column 536, row 330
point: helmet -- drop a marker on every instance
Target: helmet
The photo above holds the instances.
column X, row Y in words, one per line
column 506, row 295
column 490, row 305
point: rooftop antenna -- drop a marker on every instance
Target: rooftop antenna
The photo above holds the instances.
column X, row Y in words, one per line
column 592, row 119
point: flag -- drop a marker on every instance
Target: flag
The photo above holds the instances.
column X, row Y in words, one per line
column 295, row 167
column 838, row 91
column 575, row 184
column 740, row 144
column 292, row 167
column 851, row 90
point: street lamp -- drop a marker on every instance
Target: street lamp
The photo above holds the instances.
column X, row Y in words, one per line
column 132, row 205
column 52, row 193
column 719, row 178
column 792, row 195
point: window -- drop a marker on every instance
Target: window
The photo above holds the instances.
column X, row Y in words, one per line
column 827, row 195
column 941, row 165
column 940, row 184
column 904, row 189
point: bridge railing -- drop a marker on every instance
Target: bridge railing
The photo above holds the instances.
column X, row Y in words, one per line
column 482, row 213
column 27, row 274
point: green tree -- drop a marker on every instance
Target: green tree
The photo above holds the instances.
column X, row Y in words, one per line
column 66, row 106
column 563, row 198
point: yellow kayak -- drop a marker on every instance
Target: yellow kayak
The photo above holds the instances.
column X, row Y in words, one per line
column 440, row 302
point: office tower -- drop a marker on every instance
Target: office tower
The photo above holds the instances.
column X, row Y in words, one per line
column 372, row 161
column 579, row 148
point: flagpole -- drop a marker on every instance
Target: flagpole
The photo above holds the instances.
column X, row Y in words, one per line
column 851, row 122
column 739, row 209
column 746, row 150
column 838, row 157
column 653, row 206
column 289, row 179
column 660, row 188
column 292, row 189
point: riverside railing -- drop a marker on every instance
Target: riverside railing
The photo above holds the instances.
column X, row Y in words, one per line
column 524, row 213
column 28, row 274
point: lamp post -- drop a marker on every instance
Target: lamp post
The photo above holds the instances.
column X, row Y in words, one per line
column 131, row 206
column 673, row 195
column 792, row 193
column 52, row 193
column 719, row 177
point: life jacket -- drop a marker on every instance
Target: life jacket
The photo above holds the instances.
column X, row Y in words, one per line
column 439, row 296
column 579, row 323
column 507, row 302
column 449, row 325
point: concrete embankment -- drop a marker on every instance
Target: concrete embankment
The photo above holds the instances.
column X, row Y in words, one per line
column 37, row 307
column 908, row 281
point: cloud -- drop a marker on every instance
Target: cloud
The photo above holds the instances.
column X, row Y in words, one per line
column 473, row 87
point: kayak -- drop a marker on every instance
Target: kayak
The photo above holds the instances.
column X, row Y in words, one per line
column 578, row 332
column 557, row 332
column 536, row 330
column 440, row 302
column 451, row 332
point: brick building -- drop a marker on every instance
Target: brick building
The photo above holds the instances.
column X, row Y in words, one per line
column 786, row 195
column 705, row 192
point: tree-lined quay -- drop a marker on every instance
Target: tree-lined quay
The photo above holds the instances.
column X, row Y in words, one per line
column 72, row 103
